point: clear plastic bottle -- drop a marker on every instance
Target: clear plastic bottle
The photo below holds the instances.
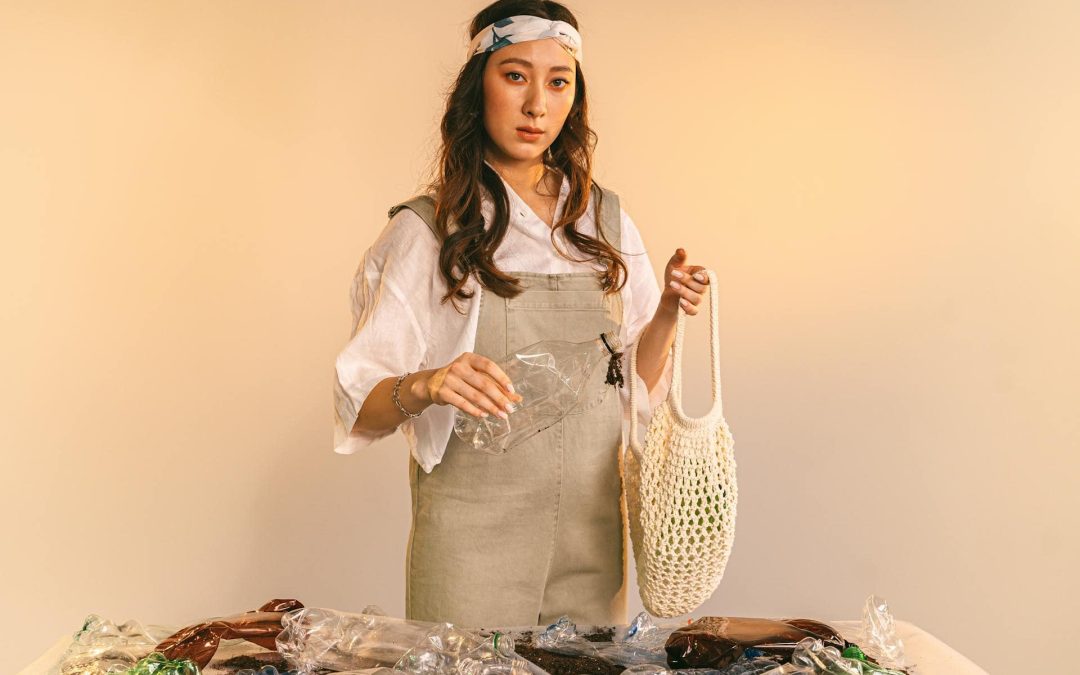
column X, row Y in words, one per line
column 550, row 376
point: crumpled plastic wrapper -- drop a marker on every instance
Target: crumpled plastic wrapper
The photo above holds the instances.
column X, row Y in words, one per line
column 102, row 647
column 719, row 641
column 200, row 642
column 879, row 638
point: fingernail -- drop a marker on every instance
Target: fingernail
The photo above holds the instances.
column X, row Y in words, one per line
column 503, row 415
column 675, row 284
column 510, row 407
column 699, row 276
column 677, row 274
column 483, row 413
column 510, row 388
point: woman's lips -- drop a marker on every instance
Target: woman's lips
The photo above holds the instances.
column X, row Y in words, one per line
column 529, row 135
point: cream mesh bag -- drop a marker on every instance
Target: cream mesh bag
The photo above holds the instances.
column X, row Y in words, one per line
column 680, row 490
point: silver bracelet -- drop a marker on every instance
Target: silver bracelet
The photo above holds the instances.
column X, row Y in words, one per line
column 397, row 401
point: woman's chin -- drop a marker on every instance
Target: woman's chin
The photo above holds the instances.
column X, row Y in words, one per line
column 523, row 151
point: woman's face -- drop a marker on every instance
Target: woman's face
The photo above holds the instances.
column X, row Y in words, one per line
column 527, row 84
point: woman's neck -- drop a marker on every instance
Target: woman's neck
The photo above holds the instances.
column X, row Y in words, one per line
column 534, row 178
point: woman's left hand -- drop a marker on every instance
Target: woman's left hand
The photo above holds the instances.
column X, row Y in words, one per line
column 683, row 285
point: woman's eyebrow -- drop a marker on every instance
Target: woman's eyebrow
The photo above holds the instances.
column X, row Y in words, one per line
column 528, row 64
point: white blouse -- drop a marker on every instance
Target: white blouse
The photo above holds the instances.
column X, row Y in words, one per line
column 400, row 325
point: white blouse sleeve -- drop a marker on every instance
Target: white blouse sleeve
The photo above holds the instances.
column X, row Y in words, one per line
column 391, row 301
column 644, row 297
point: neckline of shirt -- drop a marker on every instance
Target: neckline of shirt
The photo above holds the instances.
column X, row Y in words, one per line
column 520, row 207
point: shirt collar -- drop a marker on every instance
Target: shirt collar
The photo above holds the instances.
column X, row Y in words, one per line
column 519, row 210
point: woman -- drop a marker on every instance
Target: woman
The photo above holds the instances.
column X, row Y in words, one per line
column 530, row 245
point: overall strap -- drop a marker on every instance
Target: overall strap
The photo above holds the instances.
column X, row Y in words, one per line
column 610, row 219
column 424, row 205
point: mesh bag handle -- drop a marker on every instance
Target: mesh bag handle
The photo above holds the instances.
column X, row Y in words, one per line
column 716, row 412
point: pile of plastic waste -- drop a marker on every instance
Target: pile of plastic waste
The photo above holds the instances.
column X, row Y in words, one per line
column 297, row 640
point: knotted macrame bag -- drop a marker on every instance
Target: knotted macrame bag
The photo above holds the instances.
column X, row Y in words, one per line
column 680, row 489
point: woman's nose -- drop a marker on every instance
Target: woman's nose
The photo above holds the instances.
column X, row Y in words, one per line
column 536, row 102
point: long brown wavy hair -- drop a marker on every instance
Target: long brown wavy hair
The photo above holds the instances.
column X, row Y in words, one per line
column 461, row 174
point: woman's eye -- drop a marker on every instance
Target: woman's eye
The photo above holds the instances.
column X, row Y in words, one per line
column 514, row 74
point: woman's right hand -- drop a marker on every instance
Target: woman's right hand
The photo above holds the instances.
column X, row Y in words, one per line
column 474, row 384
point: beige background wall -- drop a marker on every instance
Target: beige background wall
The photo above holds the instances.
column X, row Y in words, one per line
column 886, row 189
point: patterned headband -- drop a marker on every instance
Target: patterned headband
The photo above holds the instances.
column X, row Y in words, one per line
column 521, row 28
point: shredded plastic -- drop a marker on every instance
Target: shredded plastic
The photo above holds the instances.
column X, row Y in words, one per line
column 159, row 664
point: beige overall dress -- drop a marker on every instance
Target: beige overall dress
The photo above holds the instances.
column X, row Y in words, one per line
column 522, row 538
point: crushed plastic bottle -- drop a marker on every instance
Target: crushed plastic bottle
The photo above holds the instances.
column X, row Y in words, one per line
column 316, row 639
column 101, row 646
column 561, row 637
column 324, row 639
column 642, row 642
column 553, row 378
column 449, row 650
